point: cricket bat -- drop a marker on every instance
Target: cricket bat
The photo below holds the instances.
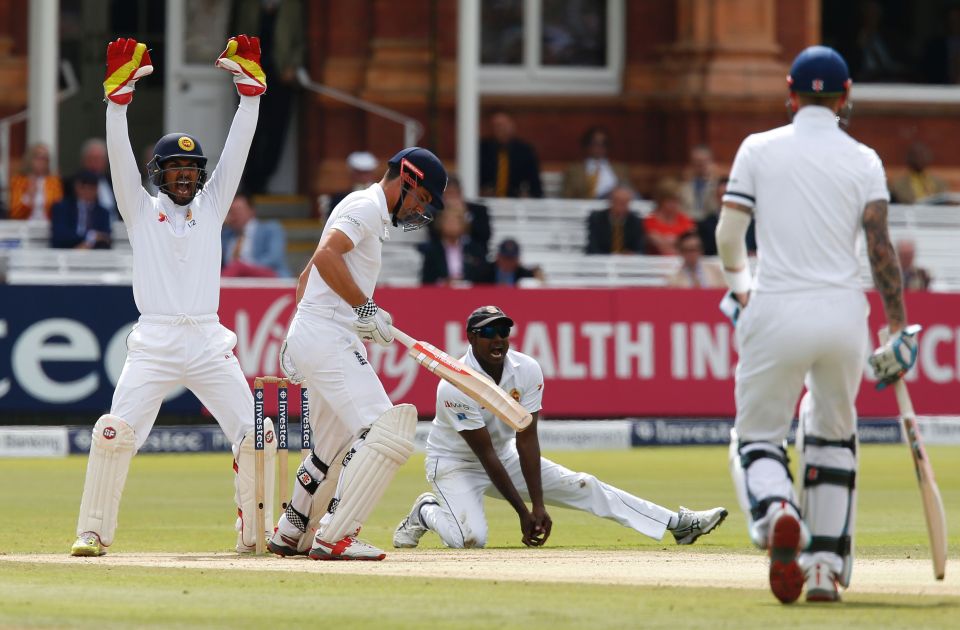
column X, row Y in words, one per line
column 929, row 492
column 478, row 386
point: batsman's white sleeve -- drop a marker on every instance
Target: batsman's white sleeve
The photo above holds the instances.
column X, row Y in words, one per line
column 732, row 247
column 225, row 179
column 123, row 165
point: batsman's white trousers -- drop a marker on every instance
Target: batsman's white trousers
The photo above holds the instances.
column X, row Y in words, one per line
column 345, row 392
column 818, row 339
column 166, row 352
column 460, row 485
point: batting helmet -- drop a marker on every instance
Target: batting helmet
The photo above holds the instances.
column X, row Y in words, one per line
column 419, row 167
column 176, row 145
column 819, row 70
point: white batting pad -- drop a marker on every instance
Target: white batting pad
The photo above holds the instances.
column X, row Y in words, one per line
column 365, row 478
column 246, row 494
column 111, row 449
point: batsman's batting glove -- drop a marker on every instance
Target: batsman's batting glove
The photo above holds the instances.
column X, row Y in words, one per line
column 288, row 367
column 894, row 358
column 127, row 61
column 373, row 323
column 242, row 58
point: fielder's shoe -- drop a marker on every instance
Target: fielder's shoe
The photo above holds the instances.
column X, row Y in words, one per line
column 87, row 545
column 284, row 546
column 785, row 543
column 693, row 525
column 411, row 528
column 822, row 584
column 347, row 548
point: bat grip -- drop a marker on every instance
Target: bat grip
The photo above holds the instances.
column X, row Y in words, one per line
column 402, row 337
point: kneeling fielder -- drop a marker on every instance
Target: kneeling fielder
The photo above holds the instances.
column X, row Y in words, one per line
column 470, row 453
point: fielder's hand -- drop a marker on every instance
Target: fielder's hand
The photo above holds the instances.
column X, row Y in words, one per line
column 127, row 61
column 242, row 58
column 895, row 357
column 373, row 323
column 288, row 367
column 536, row 526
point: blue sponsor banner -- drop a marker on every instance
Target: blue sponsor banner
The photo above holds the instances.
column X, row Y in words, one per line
column 693, row 432
column 63, row 347
column 207, row 438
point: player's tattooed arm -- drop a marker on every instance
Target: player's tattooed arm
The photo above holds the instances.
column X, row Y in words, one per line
column 883, row 263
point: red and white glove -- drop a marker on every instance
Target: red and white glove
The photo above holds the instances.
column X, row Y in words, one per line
column 127, row 61
column 242, row 58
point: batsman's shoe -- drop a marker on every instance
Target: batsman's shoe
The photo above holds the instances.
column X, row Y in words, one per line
column 411, row 528
column 284, row 546
column 87, row 545
column 127, row 61
column 347, row 548
column 822, row 584
column 242, row 58
column 693, row 525
column 786, row 541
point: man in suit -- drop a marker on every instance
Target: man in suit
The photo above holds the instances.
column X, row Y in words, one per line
column 477, row 215
column 80, row 222
column 252, row 248
column 694, row 272
column 595, row 176
column 917, row 183
column 93, row 158
column 509, row 167
column 698, row 193
column 615, row 230
column 506, row 269
column 453, row 256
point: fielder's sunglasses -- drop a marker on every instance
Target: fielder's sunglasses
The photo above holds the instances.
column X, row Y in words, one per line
column 490, row 331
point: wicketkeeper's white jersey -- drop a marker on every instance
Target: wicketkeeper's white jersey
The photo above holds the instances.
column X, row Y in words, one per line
column 363, row 217
column 807, row 183
column 176, row 249
column 522, row 378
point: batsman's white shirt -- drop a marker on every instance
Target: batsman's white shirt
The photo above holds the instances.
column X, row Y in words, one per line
column 178, row 340
column 321, row 340
column 807, row 183
column 460, row 481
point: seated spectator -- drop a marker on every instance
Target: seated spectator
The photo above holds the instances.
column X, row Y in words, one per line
column 79, row 221
column 252, row 248
column 707, row 227
column 616, row 230
column 595, row 176
column 93, row 158
column 917, row 184
column 363, row 172
column 509, row 167
column 477, row 215
column 667, row 221
column 35, row 189
column 698, row 191
column 694, row 272
column 506, row 269
column 453, row 257
column 914, row 278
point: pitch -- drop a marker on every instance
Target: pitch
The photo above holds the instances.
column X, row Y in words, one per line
column 171, row 562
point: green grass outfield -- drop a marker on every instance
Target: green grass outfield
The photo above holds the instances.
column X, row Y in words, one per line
column 183, row 504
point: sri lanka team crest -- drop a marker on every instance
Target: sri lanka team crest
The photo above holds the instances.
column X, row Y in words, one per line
column 186, row 143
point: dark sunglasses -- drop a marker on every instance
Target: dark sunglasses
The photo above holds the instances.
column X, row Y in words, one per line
column 490, row 331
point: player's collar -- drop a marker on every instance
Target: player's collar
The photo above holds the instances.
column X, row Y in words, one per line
column 815, row 115
column 381, row 201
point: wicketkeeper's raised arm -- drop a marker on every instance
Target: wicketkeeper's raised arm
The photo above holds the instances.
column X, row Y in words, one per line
column 241, row 58
column 127, row 61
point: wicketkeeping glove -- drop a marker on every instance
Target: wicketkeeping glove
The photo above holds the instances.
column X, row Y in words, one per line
column 127, row 61
column 242, row 58
column 894, row 358
column 373, row 323
column 288, row 367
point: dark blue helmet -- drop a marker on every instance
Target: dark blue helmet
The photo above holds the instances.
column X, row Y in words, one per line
column 419, row 167
column 176, row 145
column 819, row 70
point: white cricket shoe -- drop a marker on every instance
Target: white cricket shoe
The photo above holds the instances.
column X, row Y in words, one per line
column 822, row 584
column 411, row 529
column 284, row 546
column 785, row 541
column 347, row 548
column 693, row 525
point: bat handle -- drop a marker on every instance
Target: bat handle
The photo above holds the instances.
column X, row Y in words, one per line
column 402, row 337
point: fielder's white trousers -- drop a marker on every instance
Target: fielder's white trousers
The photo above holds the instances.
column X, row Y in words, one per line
column 166, row 352
column 460, row 486
column 786, row 341
column 346, row 393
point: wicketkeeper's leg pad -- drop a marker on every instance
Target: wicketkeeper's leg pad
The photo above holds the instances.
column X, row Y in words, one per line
column 829, row 502
column 245, row 484
column 111, row 449
column 761, row 478
column 385, row 448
